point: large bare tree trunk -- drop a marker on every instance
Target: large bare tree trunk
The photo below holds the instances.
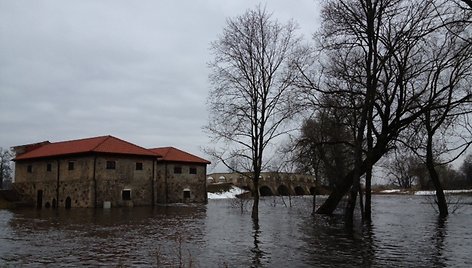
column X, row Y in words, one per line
column 351, row 205
column 367, row 215
column 361, row 201
column 255, row 204
column 368, row 195
column 342, row 188
column 336, row 195
column 441, row 198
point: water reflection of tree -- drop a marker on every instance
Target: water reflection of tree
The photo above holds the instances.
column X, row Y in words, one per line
column 329, row 243
column 258, row 254
column 437, row 240
column 368, row 253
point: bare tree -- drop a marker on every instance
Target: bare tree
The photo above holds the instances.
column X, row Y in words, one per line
column 351, row 44
column 400, row 170
column 325, row 147
column 253, row 99
column 375, row 56
column 443, row 129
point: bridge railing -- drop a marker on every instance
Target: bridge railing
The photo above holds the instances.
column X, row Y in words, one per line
column 237, row 179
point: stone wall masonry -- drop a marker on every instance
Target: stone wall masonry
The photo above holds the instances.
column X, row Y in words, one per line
column 112, row 190
column 112, row 182
column 79, row 191
column 172, row 186
column 38, row 170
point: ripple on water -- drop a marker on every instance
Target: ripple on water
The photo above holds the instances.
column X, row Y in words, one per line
column 405, row 232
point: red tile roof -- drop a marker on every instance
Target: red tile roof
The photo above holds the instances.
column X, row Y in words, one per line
column 103, row 144
column 172, row 154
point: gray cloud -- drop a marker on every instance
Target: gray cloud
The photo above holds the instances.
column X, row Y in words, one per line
column 133, row 69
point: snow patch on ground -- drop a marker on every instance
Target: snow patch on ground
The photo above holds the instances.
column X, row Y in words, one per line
column 445, row 191
column 390, row 191
column 400, row 191
column 225, row 195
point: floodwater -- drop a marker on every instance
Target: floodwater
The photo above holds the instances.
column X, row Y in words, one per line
column 405, row 232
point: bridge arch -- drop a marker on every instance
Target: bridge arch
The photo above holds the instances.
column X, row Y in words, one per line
column 283, row 190
column 299, row 190
column 312, row 190
column 265, row 191
column 210, row 180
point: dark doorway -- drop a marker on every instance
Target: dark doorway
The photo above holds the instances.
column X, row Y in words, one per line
column 265, row 191
column 39, row 199
column 299, row 190
column 186, row 194
column 126, row 195
column 68, row 202
column 283, row 190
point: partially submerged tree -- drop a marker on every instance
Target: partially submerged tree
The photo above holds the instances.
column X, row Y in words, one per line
column 443, row 116
column 377, row 55
column 253, row 99
column 443, row 128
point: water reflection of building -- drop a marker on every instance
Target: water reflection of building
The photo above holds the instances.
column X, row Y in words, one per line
column 102, row 171
column 270, row 183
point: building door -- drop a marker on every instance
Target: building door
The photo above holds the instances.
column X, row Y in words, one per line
column 39, row 199
column 186, row 194
column 68, row 202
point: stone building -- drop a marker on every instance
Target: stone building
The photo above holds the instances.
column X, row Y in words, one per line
column 102, row 171
column 181, row 177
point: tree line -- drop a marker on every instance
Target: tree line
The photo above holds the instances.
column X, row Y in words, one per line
column 381, row 77
column 6, row 169
column 408, row 171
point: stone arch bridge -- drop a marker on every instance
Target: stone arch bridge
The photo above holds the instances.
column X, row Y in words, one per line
column 270, row 183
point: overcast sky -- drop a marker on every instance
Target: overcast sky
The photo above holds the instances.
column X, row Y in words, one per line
column 136, row 70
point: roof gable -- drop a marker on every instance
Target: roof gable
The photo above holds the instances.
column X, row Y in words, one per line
column 102, row 144
column 171, row 154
